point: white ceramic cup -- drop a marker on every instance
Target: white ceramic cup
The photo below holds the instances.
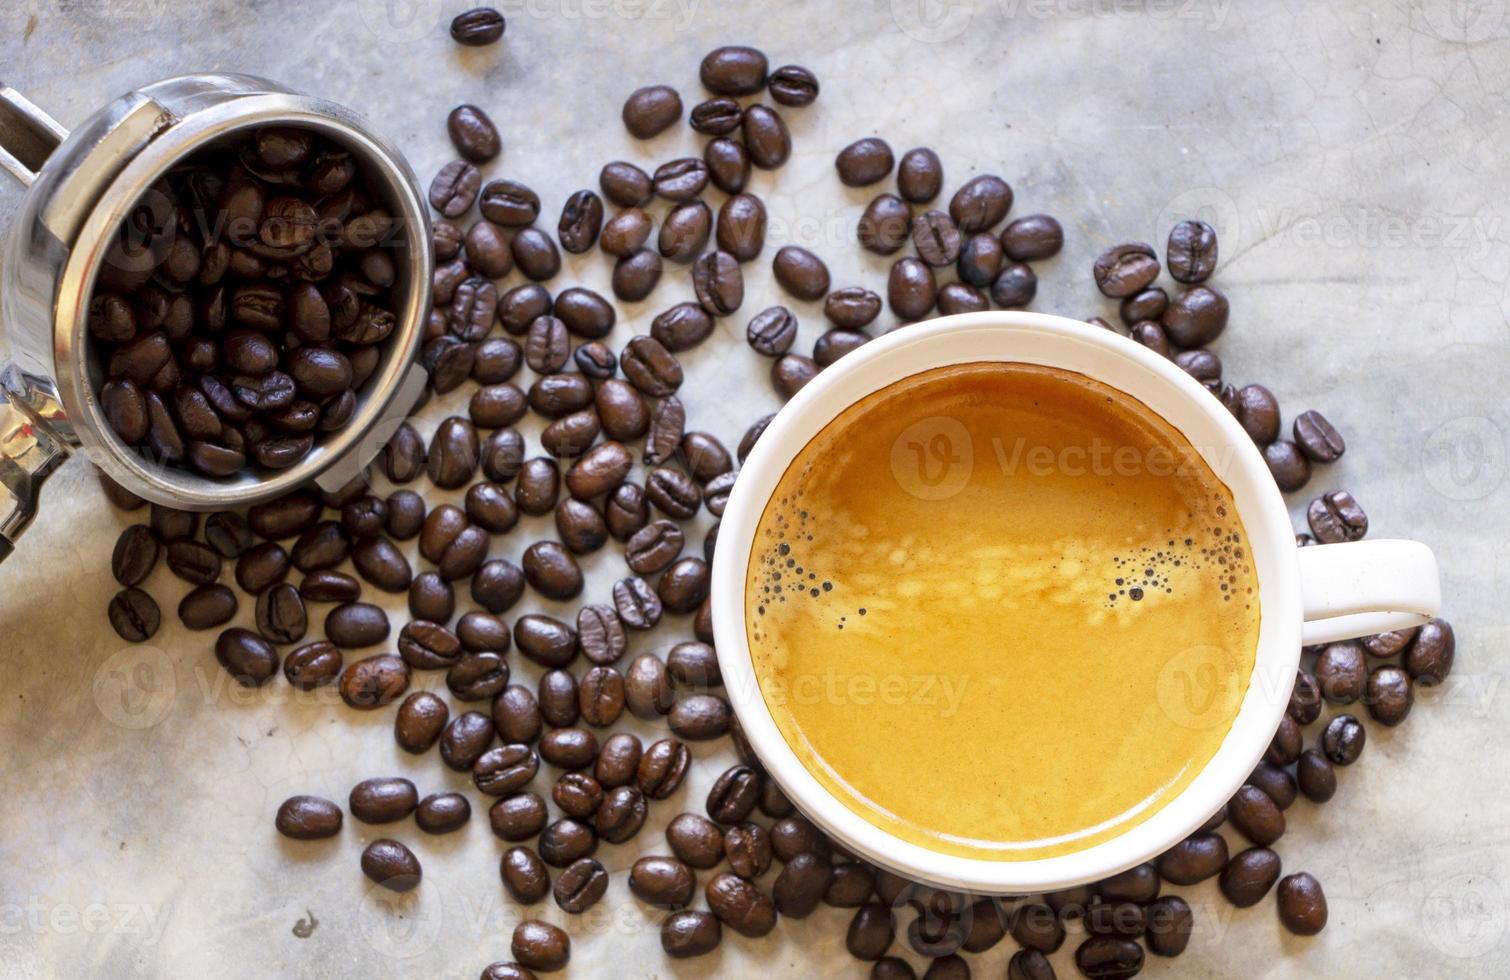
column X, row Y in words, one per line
column 1307, row 595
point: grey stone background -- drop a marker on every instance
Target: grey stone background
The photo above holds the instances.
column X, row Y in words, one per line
column 1352, row 156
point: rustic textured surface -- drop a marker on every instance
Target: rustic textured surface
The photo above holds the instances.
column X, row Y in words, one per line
column 1352, row 156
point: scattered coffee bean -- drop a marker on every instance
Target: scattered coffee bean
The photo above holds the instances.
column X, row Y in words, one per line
column 391, row 865
column 1302, row 904
column 308, row 818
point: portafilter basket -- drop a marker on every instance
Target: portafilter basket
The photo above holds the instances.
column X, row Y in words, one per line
column 81, row 186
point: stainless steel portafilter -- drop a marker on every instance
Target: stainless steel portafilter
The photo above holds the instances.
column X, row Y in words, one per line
column 81, row 186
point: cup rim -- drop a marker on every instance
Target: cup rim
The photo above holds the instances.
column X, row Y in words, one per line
column 1261, row 508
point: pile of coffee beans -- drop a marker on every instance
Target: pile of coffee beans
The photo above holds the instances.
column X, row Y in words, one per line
column 618, row 462
column 244, row 302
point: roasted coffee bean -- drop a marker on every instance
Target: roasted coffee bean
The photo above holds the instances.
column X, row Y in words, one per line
column 601, row 696
column 650, row 367
column 696, row 840
column 247, row 657
column 280, row 614
column 617, row 760
column 558, row 395
column 911, row 289
column 1128, row 268
column 1336, row 517
column 662, row 882
column 648, row 686
column 1341, row 672
column 445, row 236
column 405, row 514
column 654, row 547
column 870, row 931
column 535, row 254
column 540, row 946
column 552, row 571
column 136, row 553
column 383, row 800
column 684, row 585
column 379, row 562
column 626, row 232
column 937, row 240
column 1109, row 958
column 374, row 681
column 361, row 518
column 523, row 873
column 800, row 273
column 791, row 373
column 852, row 886
column 585, row 313
column 716, row 117
column 685, row 231
column 835, row 344
column 581, row 886
column 1196, row 317
column 621, row 814
column 516, row 715
column 1302, row 904
column 1277, row 783
column 569, row 748
column 488, row 253
column 286, row 517
column 473, row 309
column 442, row 813
column 596, row 360
column 1429, row 659
column 404, row 455
column 1249, row 876
column 454, row 189
column 1258, row 413
column 625, row 184
column 885, row 225
column 566, row 841
column 662, row 768
column 651, row 110
column 1288, row 740
column 793, row 85
column 578, row 795
column 1138, row 884
column 667, row 426
column 1194, row 859
column 733, row 70
column 1289, row 467
column 682, row 327
column 480, row 632
column 313, row 665
column 477, row 676
column 766, row 139
column 851, row 308
column 228, row 533
column 702, row 623
column 673, row 492
column 791, row 835
column 801, row 885
column 308, row 818
column 920, row 175
column 635, row 276
column 772, row 331
column 473, row 134
column 1034, row 237
column 581, row 219
column 1037, row 927
column 600, row 470
column 427, row 645
column 516, row 818
column 357, row 624
column 1256, row 816
column 733, row 795
column 748, row 849
column 864, row 162
column 1316, row 437
column 503, row 456
column 1191, row 251
column 689, row 934
column 1342, row 741
column 1151, row 335
column 1315, row 777
column 980, row 261
column 504, row 769
column 580, row 526
column 636, row 603
column 980, row 203
column 135, row 617
column 1147, row 304
column 728, row 165
column 547, row 345
column 261, row 567
column 741, row 226
column 1029, row 964
column 420, row 720
column 1015, row 287
column 681, row 180
column 477, row 27
column 743, row 907
column 207, row 606
column 391, row 865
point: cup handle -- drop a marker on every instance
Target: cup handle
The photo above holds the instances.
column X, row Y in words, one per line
column 30, row 449
column 27, row 135
column 1366, row 587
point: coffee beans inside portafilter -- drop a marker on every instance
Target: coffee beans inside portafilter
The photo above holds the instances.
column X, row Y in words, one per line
column 611, row 409
column 245, row 302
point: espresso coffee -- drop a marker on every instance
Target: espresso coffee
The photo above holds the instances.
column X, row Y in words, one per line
column 1002, row 611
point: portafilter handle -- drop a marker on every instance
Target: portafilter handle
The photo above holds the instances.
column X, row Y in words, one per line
column 30, row 449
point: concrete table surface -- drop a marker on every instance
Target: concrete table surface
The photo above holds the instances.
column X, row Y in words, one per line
column 1352, row 157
